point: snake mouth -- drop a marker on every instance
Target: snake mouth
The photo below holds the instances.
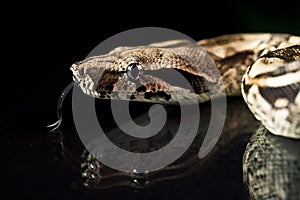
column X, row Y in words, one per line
column 78, row 72
column 74, row 68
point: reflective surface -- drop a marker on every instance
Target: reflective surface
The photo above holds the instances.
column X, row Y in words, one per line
column 36, row 162
column 271, row 166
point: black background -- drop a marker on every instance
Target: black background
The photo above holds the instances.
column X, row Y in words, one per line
column 41, row 39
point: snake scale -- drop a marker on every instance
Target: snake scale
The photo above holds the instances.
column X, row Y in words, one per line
column 264, row 68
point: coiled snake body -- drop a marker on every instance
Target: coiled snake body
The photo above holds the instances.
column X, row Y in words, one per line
column 264, row 68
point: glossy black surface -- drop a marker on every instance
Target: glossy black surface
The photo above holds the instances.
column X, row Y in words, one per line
column 39, row 164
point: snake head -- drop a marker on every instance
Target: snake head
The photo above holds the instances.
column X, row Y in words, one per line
column 120, row 75
column 147, row 72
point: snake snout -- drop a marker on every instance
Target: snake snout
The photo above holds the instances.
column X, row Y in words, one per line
column 78, row 71
column 74, row 67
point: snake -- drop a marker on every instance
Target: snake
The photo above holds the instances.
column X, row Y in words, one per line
column 263, row 68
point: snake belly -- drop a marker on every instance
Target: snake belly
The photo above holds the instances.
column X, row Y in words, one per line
column 264, row 68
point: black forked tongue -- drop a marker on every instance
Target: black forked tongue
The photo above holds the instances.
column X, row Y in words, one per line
column 59, row 106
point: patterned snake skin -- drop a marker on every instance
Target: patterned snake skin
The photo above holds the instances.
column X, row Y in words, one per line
column 264, row 68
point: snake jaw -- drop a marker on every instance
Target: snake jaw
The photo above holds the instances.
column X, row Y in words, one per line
column 74, row 68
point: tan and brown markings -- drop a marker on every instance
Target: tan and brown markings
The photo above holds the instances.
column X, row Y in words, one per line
column 135, row 73
column 231, row 53
column 234, row 53
column 271, row 84
column 271, row 90
column 145, row 65
column 265, row 65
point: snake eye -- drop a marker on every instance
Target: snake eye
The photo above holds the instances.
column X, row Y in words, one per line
column 134, row 70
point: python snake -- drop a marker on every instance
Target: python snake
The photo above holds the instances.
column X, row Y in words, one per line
column 264, row 68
